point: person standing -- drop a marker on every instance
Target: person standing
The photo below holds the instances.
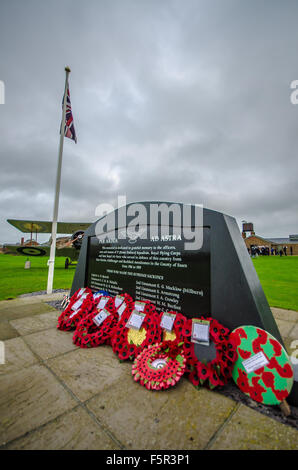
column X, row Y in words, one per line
column 285, row 250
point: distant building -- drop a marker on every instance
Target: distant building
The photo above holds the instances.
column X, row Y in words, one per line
column 253, row 240
column 61, row 242
column 30, row 243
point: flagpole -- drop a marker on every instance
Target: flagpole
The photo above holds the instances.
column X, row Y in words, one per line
column 51, row 261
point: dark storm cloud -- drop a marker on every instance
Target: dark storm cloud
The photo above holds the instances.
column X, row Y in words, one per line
column 179, row 101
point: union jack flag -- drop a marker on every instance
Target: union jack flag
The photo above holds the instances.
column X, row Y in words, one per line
column 69, row 130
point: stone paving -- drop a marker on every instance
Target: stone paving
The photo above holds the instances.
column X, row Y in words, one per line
column 54, row 395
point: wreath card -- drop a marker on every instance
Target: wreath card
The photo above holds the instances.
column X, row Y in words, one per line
column 100, row 317
column 135, row 320
column 200, row 331
column 167, row 321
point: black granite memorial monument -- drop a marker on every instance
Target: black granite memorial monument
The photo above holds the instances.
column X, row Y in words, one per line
column 217, row 279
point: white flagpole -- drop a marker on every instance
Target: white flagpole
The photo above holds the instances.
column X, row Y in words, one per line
column 51, row 261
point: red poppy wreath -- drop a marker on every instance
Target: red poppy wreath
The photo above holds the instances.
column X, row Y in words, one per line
column 81, row 303
column 214, row 372
column 160, row 366
column 129, row 340
column 98, row 327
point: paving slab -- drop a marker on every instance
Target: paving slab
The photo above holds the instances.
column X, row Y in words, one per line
column 23, row 310
column 288, row 342
column 28, row 325
column 29, row 398
column 282, row 314
column 47, row 297
column 294, row 333
column 32, row 299
column 17, row 356
column 284, row 327
column 75, row 430
column 4, row 304
column 178, row 418
column 7, row 331
column 250, row 430
column 50, row 343
column 38, row 410
column 89, row 371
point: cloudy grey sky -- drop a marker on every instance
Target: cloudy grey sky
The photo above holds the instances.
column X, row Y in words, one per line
column 173, row 100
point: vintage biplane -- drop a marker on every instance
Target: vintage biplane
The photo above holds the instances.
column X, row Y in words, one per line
column 70, row 249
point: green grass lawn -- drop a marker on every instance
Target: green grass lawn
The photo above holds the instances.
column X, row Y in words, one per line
column 279, row 279
column 278, row 276
column 15, row 280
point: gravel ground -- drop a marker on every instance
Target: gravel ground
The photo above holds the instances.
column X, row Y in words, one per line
column 42, row 292
column 230, row 390
column 56, row 304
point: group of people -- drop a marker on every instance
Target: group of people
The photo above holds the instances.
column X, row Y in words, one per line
column 255, row 251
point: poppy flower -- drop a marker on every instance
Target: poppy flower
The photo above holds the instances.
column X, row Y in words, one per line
column 268, row 379
column 242, row 381
column 280, row 394
column 286, row 371
column 186, row 328
column 235, row 339
column 237, row 335
column 203, row 371
column 194, row 378
column 276, row 346
column 214, row 379
column 172, row 348
column 256, row 390
column 262, row 335
column 256, row 346
column 217, row 331
column 244, row 354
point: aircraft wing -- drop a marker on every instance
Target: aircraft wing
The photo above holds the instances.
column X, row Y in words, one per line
column 41, row 250
column 38, row 226
column 27, row 250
